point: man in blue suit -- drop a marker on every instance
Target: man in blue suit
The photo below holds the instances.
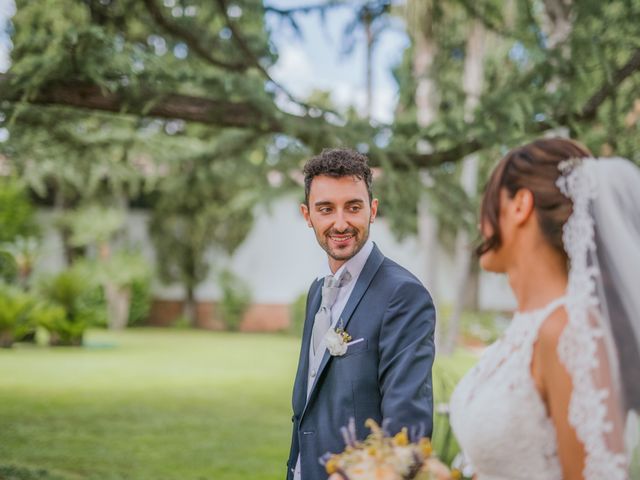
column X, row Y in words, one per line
column 367, row 346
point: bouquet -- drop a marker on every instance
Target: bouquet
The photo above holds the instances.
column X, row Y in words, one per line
column 384, row 457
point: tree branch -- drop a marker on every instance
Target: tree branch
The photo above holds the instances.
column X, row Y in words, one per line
column 190, row 39
column 318, row 7
column 587, row 113
column 244, row 47
column 313, row 131
column 475, row 11
column 170, row 106
column 590, row 109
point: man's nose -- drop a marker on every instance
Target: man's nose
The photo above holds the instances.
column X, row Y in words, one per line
column 341, row 222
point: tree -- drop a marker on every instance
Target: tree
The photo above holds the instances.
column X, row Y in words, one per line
column 102, row 57
column 204, row 204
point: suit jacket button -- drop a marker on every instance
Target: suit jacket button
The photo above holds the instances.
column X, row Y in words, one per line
column 313, row 373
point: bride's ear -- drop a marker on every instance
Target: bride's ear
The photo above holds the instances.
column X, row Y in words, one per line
column 523, row 203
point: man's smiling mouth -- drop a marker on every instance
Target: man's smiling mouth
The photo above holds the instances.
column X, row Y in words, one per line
column 341, row 238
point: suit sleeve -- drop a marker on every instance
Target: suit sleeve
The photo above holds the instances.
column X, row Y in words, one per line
column 406, row 356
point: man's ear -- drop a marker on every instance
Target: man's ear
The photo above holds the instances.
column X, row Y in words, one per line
column 304, row 209
column 524, row 205
column 374, row 210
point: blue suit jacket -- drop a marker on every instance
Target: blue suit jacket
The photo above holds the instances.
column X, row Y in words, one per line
column 386, row 376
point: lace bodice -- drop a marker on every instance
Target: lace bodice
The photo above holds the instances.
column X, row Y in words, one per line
column 497, row 414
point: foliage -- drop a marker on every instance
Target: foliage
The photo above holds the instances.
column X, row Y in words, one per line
column 140, row 301
column 17, row 215
column 297, row 313
column 236, row 298
column 70, row 311
column 18, row 229
column 216, row 215
column 476, row 327
column 124, row 269
column 92, row 224
column 8, row 267
column 117, row 271
column 94, row 300
column 531, row 86
column 23, row 253
column 16, row 314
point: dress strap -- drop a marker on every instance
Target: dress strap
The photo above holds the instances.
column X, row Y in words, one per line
column 554, row 304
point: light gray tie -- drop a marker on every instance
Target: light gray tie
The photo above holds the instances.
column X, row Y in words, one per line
column 322, row 321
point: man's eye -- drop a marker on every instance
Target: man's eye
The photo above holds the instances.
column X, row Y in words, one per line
column 325, row 210
column 355, row 208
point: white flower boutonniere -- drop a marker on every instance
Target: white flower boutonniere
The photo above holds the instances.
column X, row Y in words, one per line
column 337, row 341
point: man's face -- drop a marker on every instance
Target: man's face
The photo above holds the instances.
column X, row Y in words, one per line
column 340, row 214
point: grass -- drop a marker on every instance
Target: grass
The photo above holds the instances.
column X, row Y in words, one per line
column 152, row 404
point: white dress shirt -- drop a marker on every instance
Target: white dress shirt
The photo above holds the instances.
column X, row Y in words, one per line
column 354, row 266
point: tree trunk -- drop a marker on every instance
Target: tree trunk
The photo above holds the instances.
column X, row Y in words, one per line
column 71, row 253
column 118, row 305
column 472, row 84
column 426, row 93
column 424, row 53
column 428, row 238
column 369, row 68
column 117, row 298
column 189, row 308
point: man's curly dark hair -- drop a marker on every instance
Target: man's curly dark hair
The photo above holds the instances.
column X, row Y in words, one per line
column 337, row 163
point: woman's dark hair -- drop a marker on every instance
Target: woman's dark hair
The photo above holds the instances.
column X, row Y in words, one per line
column 535, row 167
column 337, row 163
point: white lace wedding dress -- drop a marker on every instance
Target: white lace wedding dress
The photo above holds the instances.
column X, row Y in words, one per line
column 497, row 414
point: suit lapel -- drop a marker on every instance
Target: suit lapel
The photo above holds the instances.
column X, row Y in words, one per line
column 364, row 280
column 300, row 386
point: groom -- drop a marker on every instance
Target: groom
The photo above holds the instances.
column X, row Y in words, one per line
column 385, row 372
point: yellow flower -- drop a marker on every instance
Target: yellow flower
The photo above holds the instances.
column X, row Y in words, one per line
column 425, row 447
column 456, row 474
column 401, row 439
column 332, row 465
column 371, row 424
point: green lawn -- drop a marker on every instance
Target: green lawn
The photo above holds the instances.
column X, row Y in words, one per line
column 151, row 404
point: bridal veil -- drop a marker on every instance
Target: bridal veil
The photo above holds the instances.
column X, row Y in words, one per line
column 600, row 346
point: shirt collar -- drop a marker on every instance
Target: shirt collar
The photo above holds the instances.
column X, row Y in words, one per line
column 354, row 265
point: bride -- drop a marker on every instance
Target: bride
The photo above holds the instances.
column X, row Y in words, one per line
column 556, row 396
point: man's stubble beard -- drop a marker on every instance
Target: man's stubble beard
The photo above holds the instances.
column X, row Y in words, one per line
column 324, row 243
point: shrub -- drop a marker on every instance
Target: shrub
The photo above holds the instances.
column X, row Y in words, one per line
column 15, row 314
column 297, row 312
column 17, row 215
column 8, row 267
column 236, row 298
column 68, row 290
column 140, row 301
column 93, row 300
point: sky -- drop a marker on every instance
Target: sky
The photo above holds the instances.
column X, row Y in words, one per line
column 7, row 9
column 315, row 62
column 311, row 63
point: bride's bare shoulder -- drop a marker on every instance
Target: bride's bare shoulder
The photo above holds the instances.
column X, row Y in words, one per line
column 551, row 330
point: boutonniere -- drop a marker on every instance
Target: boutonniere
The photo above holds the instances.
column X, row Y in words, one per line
column 337, row 340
